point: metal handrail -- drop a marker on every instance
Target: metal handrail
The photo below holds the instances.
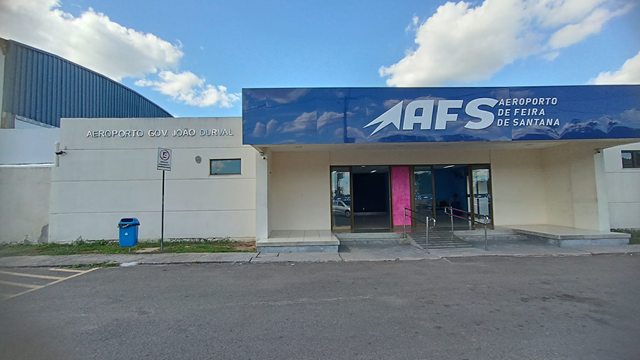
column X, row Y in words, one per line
column 426, row 222
column 484, row 223
column 417, row 219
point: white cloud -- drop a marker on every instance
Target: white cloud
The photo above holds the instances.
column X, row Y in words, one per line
column 629, row 73
column 91, row 40
column 465, row 43
column 94, row 41
column 188, row 88
column 554, row 13
column 592, row 24
column 413, row 25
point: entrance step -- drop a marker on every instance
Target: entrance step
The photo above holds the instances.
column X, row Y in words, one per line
column 291, row 241
column 439, row 240
column 370, row 238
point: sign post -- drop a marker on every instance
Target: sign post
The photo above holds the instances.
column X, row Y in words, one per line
column 164, row 164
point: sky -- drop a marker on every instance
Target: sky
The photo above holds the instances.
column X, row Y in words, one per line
column 193, row 58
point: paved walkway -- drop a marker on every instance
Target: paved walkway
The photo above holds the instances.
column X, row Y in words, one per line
column 347, row 253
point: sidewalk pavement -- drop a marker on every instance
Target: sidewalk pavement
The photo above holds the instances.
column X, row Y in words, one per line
column 348, row 253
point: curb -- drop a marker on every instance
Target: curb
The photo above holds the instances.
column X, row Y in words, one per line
column 291, row 259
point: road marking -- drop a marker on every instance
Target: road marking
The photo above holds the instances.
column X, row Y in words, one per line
column 32, row 275
column 78, row 273
column 66, row 270
column 303, row 301
column 20, row 284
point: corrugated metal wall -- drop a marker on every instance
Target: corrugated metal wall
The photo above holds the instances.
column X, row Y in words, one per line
column 44, row 87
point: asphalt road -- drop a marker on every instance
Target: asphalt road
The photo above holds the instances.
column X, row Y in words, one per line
column 470, row 308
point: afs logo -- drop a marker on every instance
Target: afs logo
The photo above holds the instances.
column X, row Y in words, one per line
column 412, row 116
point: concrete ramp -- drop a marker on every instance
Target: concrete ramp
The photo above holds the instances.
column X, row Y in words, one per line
column 566, row 236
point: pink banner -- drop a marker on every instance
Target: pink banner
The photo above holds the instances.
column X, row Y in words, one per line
column 400, row 194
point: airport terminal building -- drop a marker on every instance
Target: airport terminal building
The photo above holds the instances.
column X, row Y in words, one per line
column 302, row 165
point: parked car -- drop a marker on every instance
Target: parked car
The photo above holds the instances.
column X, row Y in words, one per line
column 340, row 208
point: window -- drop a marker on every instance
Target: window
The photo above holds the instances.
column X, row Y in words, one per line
column 631, row 159
column 224, row 167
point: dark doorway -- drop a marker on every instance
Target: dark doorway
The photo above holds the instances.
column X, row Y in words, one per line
column 451, row 189
column 371, row 197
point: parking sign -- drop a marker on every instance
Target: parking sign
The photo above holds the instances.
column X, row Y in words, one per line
column 164, row 159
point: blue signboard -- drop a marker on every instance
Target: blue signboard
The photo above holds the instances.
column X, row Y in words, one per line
column 378, row 115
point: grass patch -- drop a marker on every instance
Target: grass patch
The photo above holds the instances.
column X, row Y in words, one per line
column 105, row 264
column 635, row 235
column 112, row 247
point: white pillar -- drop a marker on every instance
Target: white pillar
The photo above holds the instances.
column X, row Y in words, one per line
column 2, row 62
column 262, row 195
column 601, row 192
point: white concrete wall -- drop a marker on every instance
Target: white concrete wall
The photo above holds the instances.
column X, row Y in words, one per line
column 299, row 191
column 28, row 146
column 101, row 180
column 623, row 189
column 24, row 203
column 571, row 187
column 518, row 187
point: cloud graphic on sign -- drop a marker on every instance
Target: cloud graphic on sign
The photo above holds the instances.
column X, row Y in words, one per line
column 305, row 122
column 260, row 130
column 281, row 96
column 352, row 133
column 328, row 118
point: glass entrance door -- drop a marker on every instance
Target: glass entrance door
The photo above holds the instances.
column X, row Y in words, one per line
column 423, row 201
column 480, row 182
column 341, row 198
column 361, row 196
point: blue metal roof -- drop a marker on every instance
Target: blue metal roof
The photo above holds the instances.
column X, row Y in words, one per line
column 44, row 87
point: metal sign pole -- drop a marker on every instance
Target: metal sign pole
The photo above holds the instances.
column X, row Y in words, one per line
column 162, row 230
column 164, row 164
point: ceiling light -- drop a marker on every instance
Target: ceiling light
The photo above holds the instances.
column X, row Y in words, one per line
column 448, row 166
column 372, row 171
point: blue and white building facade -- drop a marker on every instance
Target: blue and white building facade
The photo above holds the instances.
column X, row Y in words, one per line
column 522, row 158
column 303, row 164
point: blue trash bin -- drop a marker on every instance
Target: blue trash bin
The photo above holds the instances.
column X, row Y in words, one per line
column 128, row 232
